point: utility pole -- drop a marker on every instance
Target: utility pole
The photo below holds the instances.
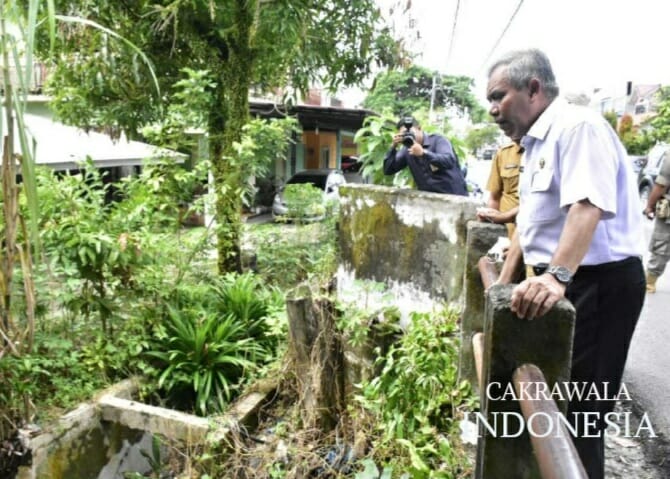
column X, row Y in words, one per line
column 432, row 98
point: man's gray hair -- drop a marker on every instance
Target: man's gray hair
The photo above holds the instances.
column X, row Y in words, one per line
column 524, row 65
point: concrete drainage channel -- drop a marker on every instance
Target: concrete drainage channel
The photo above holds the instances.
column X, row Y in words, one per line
column 107, row 437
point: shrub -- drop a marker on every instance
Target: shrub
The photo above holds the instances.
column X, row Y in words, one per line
column 290, row 254
column 304, row 201
column 212, row 336
column 204, row 356
column 413, row 404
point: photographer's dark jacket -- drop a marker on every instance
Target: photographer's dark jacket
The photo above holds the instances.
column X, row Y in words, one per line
column 438, row 170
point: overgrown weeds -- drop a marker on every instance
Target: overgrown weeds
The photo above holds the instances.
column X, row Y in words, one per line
column 402, row 423
column 414, row 406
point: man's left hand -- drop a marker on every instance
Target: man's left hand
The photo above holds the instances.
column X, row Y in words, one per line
column 535, row 296
column 416, row 149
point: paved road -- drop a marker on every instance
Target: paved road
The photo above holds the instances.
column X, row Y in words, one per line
column 647, row 372
column 478, row 172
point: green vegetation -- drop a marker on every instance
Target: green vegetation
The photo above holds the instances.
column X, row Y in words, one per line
column 99, row 83
column 295, row 253
column 374, row 141
column 399, row 92
column 413, row 405
column 19, row 235
column 209, row 338
column 478, row 137
column 636, row 141
column 661, row 123
column 124, row 278
column 304, row 201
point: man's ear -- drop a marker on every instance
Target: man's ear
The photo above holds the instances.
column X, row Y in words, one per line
column 534, row 86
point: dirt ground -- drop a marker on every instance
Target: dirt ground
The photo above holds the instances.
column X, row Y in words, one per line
column 636, row 458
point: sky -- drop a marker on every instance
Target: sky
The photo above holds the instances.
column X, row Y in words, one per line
column 590, row 43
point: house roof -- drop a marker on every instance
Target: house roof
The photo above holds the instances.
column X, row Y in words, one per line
column 645, row 91
column 312, row 117
column 62, row 147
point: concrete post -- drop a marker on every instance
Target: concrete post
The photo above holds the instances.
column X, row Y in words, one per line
column 410, row 240
column 318, row 361
column 480, row 238
column 510, row 342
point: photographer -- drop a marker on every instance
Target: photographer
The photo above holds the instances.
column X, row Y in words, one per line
column 430, row 158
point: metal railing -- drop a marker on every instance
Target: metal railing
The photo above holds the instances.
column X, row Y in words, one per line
column 556, row 455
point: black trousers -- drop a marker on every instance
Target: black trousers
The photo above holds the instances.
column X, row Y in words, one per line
column 608, row 299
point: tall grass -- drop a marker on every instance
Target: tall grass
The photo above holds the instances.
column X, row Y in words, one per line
column 19, row 242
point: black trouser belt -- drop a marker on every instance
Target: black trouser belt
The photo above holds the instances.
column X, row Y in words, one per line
column 540, row 268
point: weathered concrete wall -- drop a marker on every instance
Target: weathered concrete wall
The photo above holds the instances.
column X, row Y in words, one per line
column 105, row 438
column 412, row 241
column 79, row 445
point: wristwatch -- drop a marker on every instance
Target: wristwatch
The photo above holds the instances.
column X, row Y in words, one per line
column 562, row 274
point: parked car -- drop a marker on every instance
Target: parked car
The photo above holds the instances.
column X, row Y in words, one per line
column 326, row 179
column 638, row 162
column 488, row 153
column 351, row 164
column 647, row 174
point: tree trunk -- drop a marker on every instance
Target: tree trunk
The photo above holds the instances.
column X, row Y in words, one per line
column 229, row 114
column 318, row 359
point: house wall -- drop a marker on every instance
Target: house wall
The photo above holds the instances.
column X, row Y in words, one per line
column 348, row 147
column 320, row 149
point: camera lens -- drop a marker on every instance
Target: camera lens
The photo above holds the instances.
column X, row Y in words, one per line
column 408, row 139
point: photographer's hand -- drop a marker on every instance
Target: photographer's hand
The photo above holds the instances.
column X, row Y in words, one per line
column 416, row 149
column 397, row 140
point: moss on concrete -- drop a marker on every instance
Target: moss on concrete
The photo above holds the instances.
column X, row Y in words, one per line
column 391, row 235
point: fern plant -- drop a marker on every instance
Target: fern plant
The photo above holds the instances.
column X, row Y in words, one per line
column 241, row 295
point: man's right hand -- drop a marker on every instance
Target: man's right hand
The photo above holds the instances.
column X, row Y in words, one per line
column 649, row 213
column 397, row 140
column 485, row 214
column 535, row 296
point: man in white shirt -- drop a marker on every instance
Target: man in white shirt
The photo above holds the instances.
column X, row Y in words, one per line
column 578, row 229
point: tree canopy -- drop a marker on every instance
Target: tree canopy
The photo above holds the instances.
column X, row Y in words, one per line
column 101, row 82
column 484, row 135
column 401, row 91
column 661, row 123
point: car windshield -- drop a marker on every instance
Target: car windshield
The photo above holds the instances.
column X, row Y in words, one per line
column 317, row 180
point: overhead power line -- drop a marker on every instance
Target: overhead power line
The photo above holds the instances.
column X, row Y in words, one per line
column 488, row 57
column 453, row 32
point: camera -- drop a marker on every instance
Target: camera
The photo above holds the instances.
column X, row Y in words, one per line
column 408, row 135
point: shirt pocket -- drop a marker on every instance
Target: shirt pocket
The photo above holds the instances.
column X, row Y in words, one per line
column 541, row 180
column 543, row 200
column 509, row 175
column 660, row 243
